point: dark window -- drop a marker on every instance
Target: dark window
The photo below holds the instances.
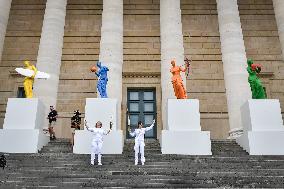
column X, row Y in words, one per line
column 21, row 92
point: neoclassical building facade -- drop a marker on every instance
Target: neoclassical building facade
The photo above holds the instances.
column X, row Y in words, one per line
column 137, row 39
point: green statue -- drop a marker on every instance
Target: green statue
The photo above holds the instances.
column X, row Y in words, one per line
column 256, row 87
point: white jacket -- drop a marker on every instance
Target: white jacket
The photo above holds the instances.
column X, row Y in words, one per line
column 98, row 133
column 139, row 133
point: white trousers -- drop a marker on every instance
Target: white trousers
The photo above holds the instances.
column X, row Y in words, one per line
column 139, row 146
column 96, row 149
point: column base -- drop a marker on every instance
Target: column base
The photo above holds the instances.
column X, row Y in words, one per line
column 235, row 133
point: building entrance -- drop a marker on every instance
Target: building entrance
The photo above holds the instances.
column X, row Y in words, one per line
column 141, row 105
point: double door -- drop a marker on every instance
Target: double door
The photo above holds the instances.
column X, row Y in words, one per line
column 141, row 105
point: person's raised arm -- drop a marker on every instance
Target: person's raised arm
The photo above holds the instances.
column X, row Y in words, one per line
column 106, row 132
column 150, row 127
column 131, row 133
column 87, row 127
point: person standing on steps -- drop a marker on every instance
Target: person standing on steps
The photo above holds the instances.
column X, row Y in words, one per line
column 75, row 124
column 97, row 141
column 139, row 134
column 52, row 117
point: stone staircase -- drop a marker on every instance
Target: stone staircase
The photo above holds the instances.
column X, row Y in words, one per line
column 228, row 167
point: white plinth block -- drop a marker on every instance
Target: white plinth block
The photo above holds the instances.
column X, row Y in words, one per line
column 112, row 144
column 184, row 135
column 262, row 115
column 263, row 127
column 100, row 109
column 22, row 140
column 186, row 142
column 22, row 129
column 24, row 113
column 183, row 114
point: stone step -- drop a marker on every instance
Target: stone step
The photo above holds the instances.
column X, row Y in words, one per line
column 229, row 167
column 157, row 156
column 130, row 174
column 140, row 181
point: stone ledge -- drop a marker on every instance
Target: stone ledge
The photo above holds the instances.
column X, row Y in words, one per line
column 141, row 74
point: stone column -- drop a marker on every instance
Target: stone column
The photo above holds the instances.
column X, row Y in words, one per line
column 5, row 6
column 171, row 48
column 279, row 15
column 111, row 48
column 234, row 62
column 50, row 51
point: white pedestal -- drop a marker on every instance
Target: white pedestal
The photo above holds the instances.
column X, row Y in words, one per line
column 100, row 109
column 22, row 129
column 184, row 135
column 113, row 142
column 263, row 127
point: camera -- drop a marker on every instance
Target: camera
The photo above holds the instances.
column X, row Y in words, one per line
column 77, row 113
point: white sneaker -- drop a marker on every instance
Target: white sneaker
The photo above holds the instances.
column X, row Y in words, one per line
column 100, row 163
column 136, row 163
column 142, row 163
column 92, row 163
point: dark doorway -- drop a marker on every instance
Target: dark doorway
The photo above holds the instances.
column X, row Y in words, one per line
column 141, row 105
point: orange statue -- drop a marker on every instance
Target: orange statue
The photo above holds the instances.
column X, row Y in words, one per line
column 179, row 89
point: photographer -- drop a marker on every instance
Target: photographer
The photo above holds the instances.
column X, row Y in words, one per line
column 75, row 124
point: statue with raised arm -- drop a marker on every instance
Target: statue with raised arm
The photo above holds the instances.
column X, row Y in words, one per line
column 102, row 78
column 29, row 81
column 178, row 86
column 30, row 72
column 256, row 87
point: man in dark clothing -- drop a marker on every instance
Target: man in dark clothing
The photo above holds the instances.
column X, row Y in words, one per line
column 75, row 124
column 52, row 116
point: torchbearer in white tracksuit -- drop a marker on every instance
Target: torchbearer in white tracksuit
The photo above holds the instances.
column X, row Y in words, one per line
column 139, row 140
column 97, row 141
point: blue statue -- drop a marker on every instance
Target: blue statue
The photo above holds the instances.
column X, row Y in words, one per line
column 102, row 75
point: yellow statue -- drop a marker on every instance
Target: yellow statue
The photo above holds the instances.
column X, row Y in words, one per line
column 28, row 81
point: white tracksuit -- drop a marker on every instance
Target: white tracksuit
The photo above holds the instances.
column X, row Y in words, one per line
column 97, row 143
column 139, row 142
